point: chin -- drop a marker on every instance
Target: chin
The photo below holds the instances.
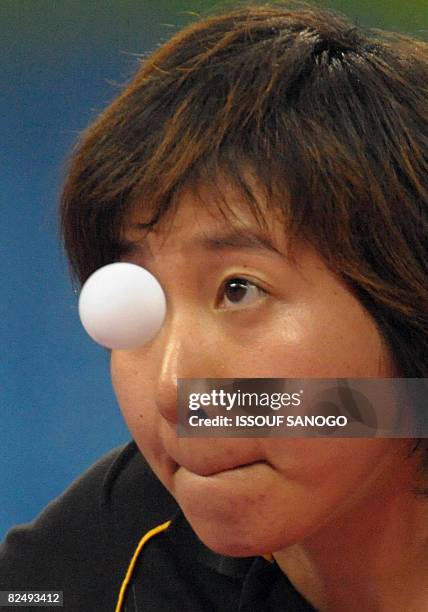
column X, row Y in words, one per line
column 240, row 538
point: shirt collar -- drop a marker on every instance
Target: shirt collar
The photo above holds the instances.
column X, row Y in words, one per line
column 181, row 533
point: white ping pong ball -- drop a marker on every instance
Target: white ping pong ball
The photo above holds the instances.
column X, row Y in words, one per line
column 122, row 306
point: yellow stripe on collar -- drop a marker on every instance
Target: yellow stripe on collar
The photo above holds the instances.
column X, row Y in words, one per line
column 133, row 561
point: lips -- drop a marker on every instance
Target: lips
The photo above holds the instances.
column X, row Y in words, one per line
column 210, row 471
column 205, row 460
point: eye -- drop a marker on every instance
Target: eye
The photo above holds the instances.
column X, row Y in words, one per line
column 240, row 292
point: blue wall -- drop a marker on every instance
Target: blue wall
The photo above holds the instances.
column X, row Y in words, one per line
column 58, row 411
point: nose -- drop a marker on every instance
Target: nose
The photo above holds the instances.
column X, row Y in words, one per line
column 166, row 380
column 184, row 350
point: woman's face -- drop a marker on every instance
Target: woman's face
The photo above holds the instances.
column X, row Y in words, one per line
column 290, row 318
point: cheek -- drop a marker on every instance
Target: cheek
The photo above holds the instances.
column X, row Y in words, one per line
column 314, row 461
column 328, row 477
column 135, row 401
column 123, row 379
column 317, row 339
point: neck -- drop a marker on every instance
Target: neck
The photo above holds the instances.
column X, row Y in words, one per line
column 372, row 557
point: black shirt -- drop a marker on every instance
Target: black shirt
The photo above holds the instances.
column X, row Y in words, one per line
column 84, row 542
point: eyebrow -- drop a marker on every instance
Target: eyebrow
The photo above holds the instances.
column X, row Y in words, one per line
column 243, row 239
column 235, row 239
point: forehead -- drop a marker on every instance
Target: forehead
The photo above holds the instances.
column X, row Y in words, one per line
column 204, row 214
